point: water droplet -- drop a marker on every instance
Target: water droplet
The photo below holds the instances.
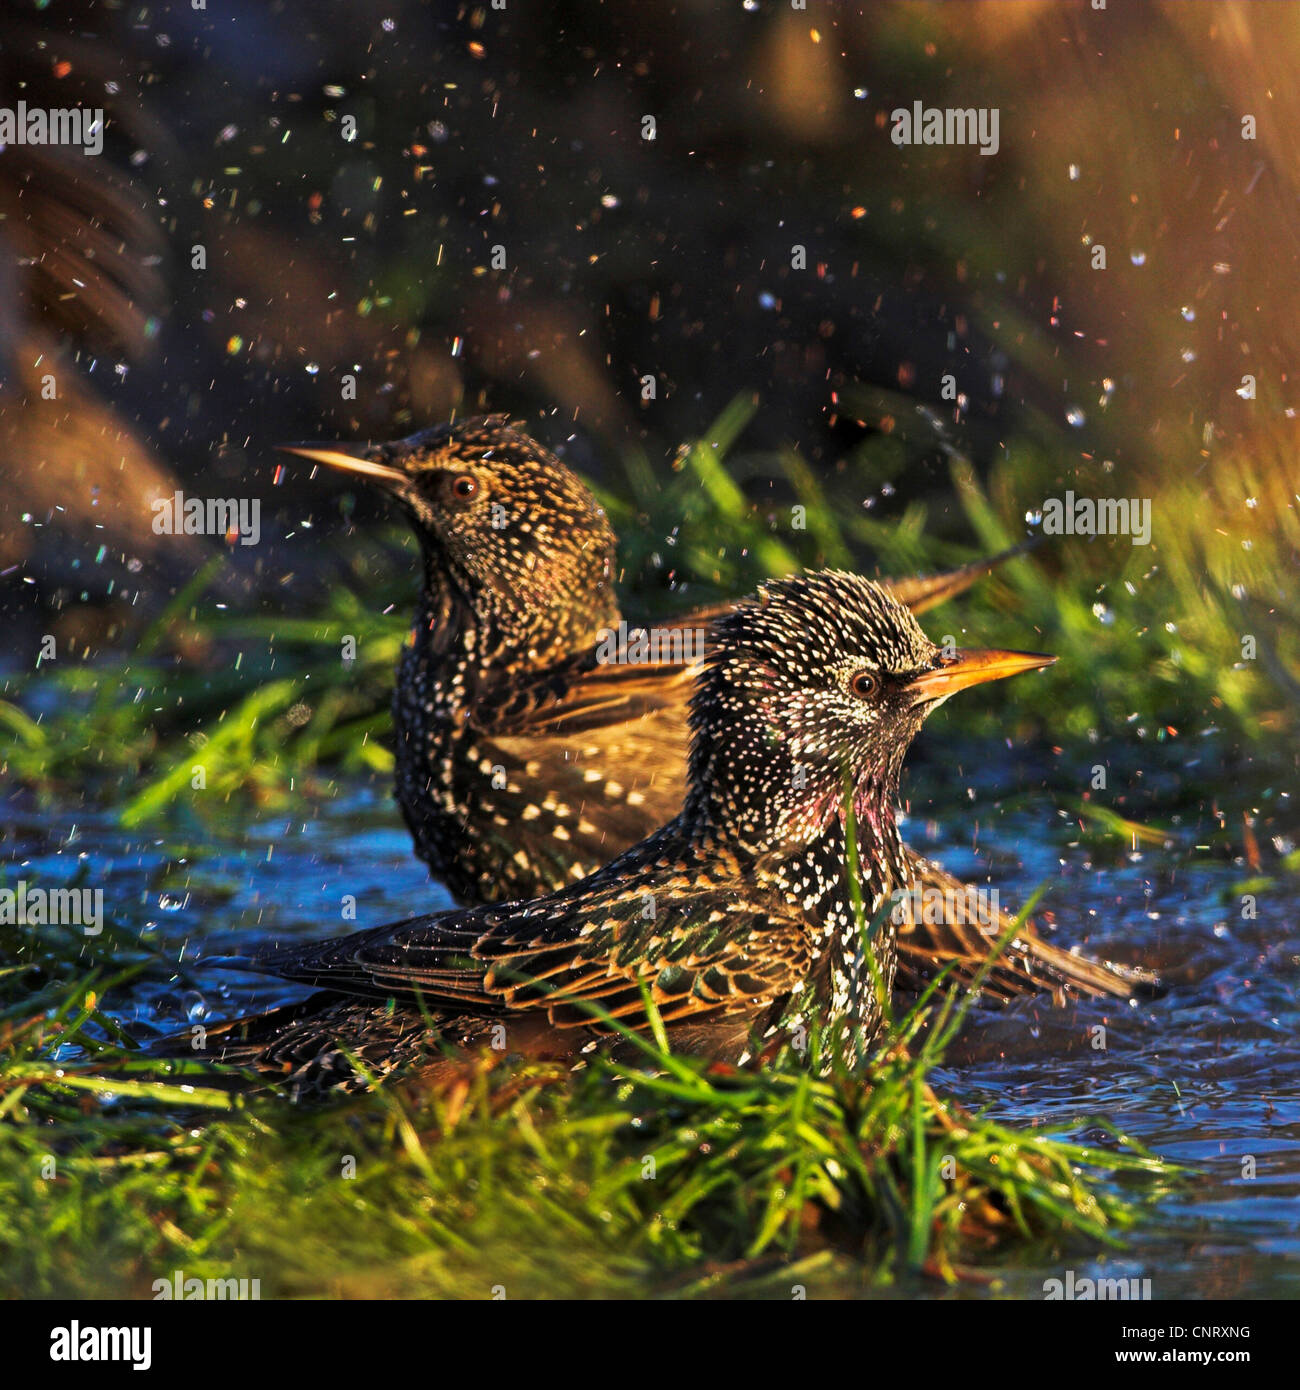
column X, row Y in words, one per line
column 1034, row 518
column 1074, row 172
column 1075, row 417
column 1188, row 313
column 1138, row 257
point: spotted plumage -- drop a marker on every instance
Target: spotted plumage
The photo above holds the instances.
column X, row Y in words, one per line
column 504, row 588
column 801, row 715
column 526, row 757
column 810, row 692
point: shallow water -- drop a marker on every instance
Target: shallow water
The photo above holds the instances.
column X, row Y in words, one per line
column 1207, row 1075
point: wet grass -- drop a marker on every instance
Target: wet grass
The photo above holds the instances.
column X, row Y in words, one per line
column 662, row 1175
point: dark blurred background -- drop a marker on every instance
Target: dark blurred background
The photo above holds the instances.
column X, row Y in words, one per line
column 522, row 128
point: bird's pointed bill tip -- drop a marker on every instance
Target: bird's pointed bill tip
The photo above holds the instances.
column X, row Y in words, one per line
column 973, row 666
column 348, row 458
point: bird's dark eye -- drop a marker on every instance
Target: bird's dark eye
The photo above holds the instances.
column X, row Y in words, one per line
column 864, row 684
column 464, row 487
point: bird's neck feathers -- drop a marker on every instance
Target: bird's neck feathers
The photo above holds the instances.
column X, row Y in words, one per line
column 497, row 621
column 755, row 798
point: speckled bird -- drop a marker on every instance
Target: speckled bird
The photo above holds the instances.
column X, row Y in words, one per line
column 802, row 713
column 528, row 752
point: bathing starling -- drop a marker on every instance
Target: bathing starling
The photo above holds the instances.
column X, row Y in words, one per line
column 801, row 714
column 537, row 738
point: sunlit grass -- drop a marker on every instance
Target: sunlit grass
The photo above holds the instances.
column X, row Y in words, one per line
column 656, row 1173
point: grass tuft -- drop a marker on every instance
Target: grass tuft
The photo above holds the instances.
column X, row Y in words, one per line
column 657, row 1174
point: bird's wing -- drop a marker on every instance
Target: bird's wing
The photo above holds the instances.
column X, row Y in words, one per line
column 573, row 768
column 917, row 592
column 570, row 767
column 588, row 694
column 923, row 591
column 591, row 692
column 1027, row 965
column 695, row 948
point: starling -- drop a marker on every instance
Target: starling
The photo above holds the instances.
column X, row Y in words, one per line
column 726, row 917
column 535, row 741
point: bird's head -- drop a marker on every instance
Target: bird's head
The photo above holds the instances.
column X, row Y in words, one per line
column 814, row 687
column 500, row 518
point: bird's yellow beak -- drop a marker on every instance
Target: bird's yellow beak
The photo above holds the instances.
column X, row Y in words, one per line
column 973, row 666
column 348, row 458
